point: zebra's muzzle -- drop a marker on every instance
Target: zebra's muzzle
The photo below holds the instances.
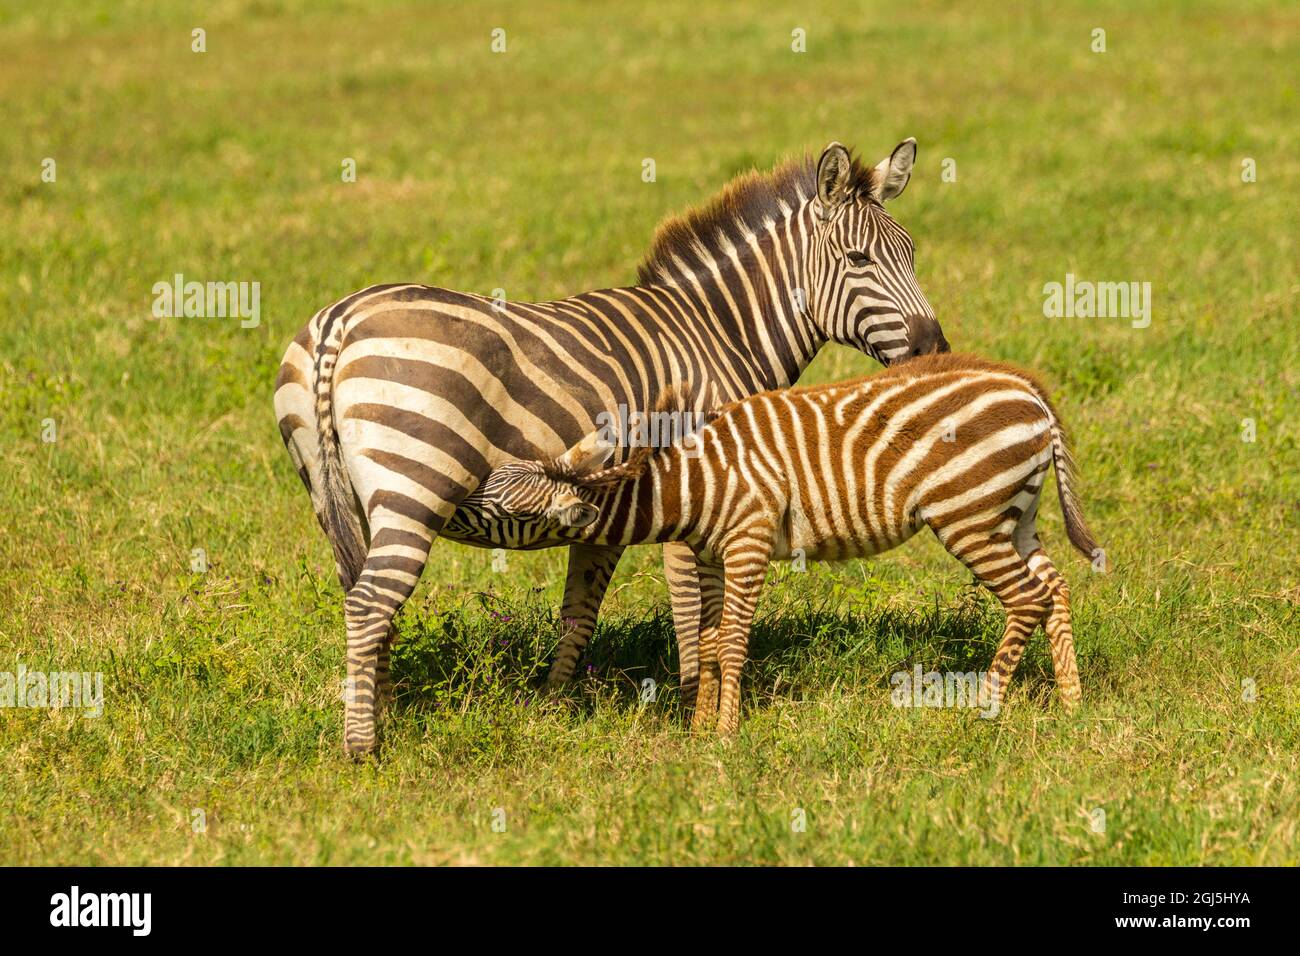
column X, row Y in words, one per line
column 927, row 337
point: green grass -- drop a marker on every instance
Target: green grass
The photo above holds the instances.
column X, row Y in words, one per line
column 522, row 171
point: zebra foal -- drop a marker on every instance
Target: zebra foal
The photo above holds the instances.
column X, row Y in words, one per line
column 956, row 443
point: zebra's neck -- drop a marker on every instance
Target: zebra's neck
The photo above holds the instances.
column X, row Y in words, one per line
column 749, row 285
column 642, row 510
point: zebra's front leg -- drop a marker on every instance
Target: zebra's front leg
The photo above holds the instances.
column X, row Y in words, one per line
column 683, row 576
column 590, row 569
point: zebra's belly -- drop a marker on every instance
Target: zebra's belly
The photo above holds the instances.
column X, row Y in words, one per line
column 837, row 538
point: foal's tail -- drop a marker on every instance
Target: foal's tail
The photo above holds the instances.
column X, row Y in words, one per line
column 1075, row 525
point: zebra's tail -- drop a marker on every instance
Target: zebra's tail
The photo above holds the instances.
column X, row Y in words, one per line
column 1075, row 525
column 338, row 511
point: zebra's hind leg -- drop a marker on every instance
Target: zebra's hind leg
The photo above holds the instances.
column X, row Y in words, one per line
column 1060, row 633
column 744, row 583
column 1026, row 599
column 383, row 675
column 706, row 699
column 590, row 569
column 392, row 568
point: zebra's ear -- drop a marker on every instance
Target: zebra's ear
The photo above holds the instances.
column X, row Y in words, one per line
column 893, row 172
column 834, row 170
column 572, row 512
column 586, row 456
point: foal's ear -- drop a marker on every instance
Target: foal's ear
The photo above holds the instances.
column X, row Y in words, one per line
column 586, row 456
column 572, row 512
column 893, row 172
column 833, row 172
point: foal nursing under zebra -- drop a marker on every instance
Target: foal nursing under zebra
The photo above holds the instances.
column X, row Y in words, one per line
column 952, row 442
column 397, row 401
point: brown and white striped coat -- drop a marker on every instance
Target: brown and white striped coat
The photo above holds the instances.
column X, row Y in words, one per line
column 838, row 471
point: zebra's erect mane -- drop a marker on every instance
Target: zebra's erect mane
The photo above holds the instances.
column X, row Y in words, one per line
column 743, row 206
column 634, row 467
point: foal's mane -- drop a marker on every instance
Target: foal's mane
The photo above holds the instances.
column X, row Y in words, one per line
column 742, row 207
column 676, row 399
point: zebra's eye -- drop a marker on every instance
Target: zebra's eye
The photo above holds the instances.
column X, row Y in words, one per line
column 858, row 260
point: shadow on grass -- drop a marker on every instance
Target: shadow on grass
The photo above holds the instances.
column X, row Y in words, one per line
column 491, row 650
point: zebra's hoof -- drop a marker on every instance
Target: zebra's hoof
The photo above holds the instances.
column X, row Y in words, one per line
column 556, row 686
column 558, row 697
column 360, row 750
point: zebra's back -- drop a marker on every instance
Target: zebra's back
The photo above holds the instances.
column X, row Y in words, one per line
column 856, row 468
column 427, row 389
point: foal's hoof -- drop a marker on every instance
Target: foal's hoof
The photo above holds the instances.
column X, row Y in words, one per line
column 703, row 724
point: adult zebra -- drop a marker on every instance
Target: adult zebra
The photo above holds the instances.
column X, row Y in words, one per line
column 398, row 400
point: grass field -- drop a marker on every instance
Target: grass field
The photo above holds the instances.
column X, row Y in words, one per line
column 522, row 171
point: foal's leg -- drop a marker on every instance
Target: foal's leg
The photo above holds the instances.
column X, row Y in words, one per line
column 1060, row 633
column 590, row 569
column 744, row 583
column 993, row 559
column 712, row 593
